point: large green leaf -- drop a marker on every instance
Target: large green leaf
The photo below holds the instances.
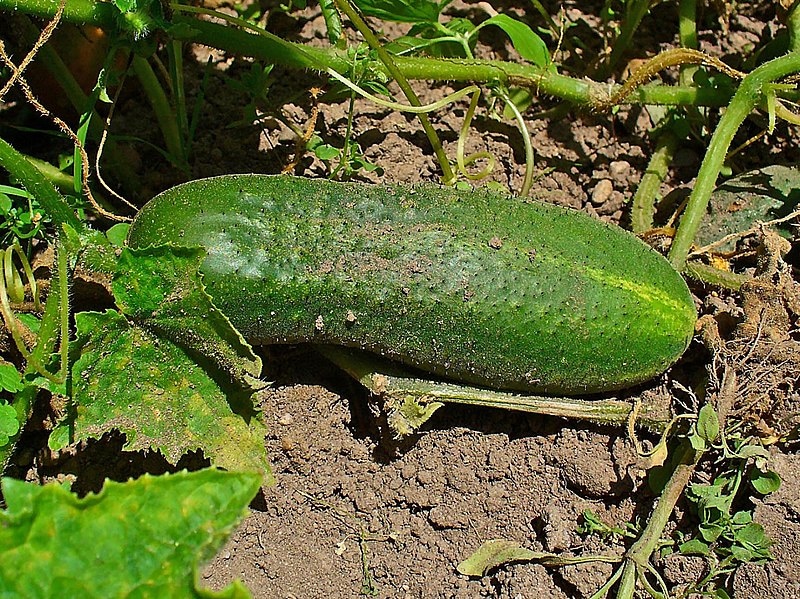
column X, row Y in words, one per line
column 160, row 289
column 143, row 538
column 402, row 11
column 169, row 370
column 130, row 379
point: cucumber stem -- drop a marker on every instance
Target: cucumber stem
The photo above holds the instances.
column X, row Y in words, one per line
column 165, row 115
column 395, row 384
column 645, row 198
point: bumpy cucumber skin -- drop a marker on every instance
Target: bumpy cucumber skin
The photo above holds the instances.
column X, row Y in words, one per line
column 472, row 286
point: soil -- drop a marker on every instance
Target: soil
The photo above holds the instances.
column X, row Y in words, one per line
column 355, row 511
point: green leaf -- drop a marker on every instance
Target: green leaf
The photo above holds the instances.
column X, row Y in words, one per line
column 529, row 45
column 753, row 537
column 694, row 547
column 29, row 320
column 711, row 532
column 161, row 290
column 742, row 554
column 333, row 23
column 326, row 152
column 9, row 423
column 93, row 251
column 708, row 424
column 5, row 203
column 129, row 378
column 495, row 553
column 39, row 186
column 764, row 482
column 401, row 11
column 697, row 442
column 143, row 538
column 10, row 378
column 752, row 451
column 117, row 234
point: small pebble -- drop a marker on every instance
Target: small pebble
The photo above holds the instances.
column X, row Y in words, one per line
column 619, row 170
column 602, row 191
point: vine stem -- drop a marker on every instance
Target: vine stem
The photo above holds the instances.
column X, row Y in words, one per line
column 638, row 556
column 645, row 197
column 266, row 46
column 402, row 82
column 167, row 121
column 746, row 98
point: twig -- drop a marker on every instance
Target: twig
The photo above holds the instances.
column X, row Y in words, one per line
column 33, row 101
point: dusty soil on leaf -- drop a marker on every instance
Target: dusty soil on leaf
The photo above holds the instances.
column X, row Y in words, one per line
column 355, row 512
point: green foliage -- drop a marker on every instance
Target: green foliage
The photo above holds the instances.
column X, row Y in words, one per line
column 10, row 381
column 168, row 370
column 255, row 85
column 592, row 524
column 764, row 481
column 529, row 45
column 706, row 429
column 140, row 18
column 10, row 378
column 402, row 11
column 21, row 216
column 52, row 203
column 738, row 204
column 726, row 534
column 143, row 538
column 161, row 290
column 345, row 161
column 9, row 423
column 116, row 234
column 732, row 536
column 458, row 37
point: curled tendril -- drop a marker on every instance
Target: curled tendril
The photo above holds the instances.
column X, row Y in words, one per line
column 463, row 161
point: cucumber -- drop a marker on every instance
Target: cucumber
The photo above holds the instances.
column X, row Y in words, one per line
column 475, row 287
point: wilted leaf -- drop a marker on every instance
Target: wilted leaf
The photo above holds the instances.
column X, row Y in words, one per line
column 495, row 553
column 143, row 538
column 149, row 388
column 761, row 195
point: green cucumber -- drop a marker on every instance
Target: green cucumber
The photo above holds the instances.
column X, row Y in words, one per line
column 475, row 287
